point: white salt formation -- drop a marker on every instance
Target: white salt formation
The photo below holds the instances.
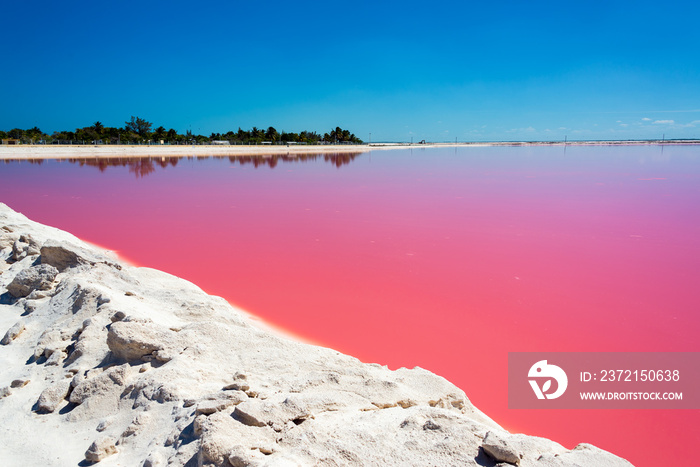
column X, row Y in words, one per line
column 105, row 363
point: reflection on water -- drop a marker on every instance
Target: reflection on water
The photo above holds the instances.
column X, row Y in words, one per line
column 338, row 159
column 139, row 166
column 143, row 166
column 443, row 258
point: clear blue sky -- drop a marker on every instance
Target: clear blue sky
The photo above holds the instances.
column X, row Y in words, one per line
column 475, row 71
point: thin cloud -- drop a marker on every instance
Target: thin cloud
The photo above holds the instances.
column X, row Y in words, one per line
column 521, row 130
column 643, row 111
column 676, row 111
column 663, row 122
column 645, row 119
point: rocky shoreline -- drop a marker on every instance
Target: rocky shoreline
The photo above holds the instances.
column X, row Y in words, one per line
column 105, row 362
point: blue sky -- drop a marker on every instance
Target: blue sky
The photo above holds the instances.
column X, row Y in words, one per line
column 440, row 71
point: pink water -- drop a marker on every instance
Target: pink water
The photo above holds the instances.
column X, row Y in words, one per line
column 443, row 258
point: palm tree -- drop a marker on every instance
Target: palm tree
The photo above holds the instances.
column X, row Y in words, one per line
column 159, row 133
column 271, row 134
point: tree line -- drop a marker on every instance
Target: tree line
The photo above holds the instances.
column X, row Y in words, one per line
column 139, row 131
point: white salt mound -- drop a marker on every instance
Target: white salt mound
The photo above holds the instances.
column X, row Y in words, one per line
column 105, row 363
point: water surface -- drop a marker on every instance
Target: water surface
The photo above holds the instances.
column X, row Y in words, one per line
column 441, row 258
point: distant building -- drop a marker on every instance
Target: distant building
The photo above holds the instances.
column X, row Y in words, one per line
column 221, row 143
column 10, row 141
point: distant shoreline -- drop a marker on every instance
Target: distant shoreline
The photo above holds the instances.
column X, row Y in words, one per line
column 27, row 151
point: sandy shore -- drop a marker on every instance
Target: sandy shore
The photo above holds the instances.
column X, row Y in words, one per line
column 8, row 152
column 76, row 151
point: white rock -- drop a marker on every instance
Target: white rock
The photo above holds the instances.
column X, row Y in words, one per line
column 101, row 448
column 63, row 255
column 107, row 384
column 52, row 396
column 498, row 447
column 130, row 340
column 12, row 333
column 28, row 280
column 19, row 250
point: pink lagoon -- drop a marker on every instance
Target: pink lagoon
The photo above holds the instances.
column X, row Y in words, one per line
column 444, row 258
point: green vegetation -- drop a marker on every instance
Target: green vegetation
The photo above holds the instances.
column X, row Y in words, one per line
column 138, row 131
